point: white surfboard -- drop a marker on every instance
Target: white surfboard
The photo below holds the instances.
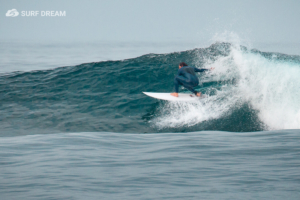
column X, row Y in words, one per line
column 169, row 97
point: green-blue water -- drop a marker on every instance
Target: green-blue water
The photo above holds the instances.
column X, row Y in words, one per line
column 88, row 132
column 199, row 165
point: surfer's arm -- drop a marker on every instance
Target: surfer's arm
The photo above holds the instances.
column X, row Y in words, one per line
column 200, row 70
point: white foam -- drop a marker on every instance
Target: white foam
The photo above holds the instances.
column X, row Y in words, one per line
column 178, row 114
column 270, row 86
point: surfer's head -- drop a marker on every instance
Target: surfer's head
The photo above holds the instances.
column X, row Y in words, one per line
column 182, row 64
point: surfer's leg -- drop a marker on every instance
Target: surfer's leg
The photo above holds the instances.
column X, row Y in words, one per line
column 190, row 88
column 179, row 80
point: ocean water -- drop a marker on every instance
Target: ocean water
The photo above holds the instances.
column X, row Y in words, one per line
column 77, row 126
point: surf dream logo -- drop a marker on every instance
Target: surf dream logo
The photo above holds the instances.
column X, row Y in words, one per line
column 12, row 13
column 42, row 13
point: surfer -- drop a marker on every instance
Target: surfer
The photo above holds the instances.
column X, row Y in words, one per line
column 187, row 78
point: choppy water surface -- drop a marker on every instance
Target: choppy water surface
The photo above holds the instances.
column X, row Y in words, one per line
column 199, row 165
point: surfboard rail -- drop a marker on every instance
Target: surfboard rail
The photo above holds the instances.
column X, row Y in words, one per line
column 169, row 97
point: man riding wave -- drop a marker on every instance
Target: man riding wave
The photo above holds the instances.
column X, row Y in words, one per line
column 187, row 78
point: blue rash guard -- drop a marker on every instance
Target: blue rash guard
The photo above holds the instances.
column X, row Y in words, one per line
column 187, row 78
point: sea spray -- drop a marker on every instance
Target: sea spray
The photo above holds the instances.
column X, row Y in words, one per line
column 269, row 85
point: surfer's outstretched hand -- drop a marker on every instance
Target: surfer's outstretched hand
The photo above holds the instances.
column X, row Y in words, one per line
column 212, row 68
column 174, row 94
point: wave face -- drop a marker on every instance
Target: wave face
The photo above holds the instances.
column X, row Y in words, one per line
column 249, row 90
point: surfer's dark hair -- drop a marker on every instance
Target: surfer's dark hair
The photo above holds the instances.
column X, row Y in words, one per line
column 182, row 64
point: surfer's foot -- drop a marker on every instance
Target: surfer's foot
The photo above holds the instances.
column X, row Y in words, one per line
column 174, row 94
column 198, row 94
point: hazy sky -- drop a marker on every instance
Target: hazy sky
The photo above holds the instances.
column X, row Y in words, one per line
column 153, row 20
